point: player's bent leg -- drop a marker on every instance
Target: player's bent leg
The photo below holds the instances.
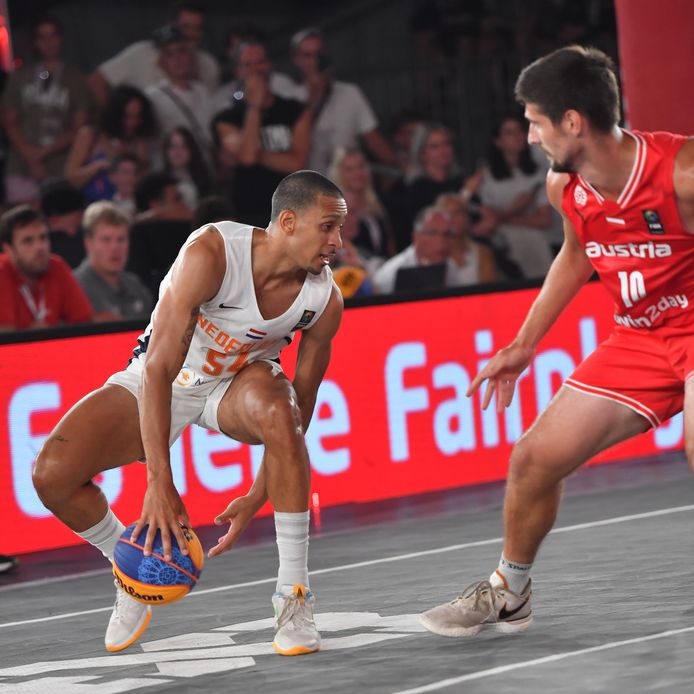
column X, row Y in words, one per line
column 260, row 406
column 573, row 428
column 100, row 432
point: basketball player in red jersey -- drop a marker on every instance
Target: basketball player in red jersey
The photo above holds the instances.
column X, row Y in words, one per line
column 233, row 299
column 627, row 201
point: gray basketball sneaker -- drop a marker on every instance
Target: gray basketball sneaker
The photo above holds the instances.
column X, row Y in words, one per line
column 481, row 606
column 295, row 627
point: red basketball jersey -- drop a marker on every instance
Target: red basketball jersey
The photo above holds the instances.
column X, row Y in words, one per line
column 638, row 244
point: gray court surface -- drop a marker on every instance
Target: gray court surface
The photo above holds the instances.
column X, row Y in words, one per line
column 613, row 603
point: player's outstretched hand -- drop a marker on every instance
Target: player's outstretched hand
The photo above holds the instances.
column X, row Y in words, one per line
column 501, row 374
column 238, row 514
column 162, row 510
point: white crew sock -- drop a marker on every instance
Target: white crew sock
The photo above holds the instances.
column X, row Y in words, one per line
column 292, row 543
column 512, row 575
column 104, row 534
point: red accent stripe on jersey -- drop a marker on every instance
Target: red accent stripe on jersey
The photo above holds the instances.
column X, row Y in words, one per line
column 585, row 183
column 688, row 376
column 632, row 404
column 257, row 332
column 636, row 172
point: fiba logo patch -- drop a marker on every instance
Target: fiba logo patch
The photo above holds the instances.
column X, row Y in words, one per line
column 580, row 196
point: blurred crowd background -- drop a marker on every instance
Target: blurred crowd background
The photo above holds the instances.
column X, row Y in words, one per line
column 127, row 125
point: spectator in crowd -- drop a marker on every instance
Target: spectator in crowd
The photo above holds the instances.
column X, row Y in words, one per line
column 179, row 100
column 127, row 124
column 366, row 225
column 63, row 208
column 432, row 244
column 161, row 228
column 434, row 171
column 213, row 208
column 519, row 218
column 45, row 103
column 125, row 173
column 402, row 130
column 37, row 288
column 8, row 563
column 475, row 263
column 184, row 161
column 263, row 136
column 137, row 65
column 113, row 293
column 342, row 116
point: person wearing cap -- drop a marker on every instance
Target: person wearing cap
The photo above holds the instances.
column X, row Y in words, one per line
column 342, row 116
column 137, row 64
column 179, row 100
column 63, row 207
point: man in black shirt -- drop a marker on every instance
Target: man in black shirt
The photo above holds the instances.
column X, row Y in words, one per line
column 263, row 136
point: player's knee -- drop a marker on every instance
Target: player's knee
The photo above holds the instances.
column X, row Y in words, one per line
column 526, row 465
column 280, row 421
column 45, row 480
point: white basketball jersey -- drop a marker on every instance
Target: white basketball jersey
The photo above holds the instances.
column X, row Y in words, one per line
column 230, row 330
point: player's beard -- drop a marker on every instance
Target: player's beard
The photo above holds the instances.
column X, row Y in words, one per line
column 562, row 166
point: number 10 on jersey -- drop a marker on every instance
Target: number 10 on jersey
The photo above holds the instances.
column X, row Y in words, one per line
column 632, row 286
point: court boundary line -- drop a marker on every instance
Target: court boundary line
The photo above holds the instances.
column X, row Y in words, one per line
column 382, row 560
column 501, row 669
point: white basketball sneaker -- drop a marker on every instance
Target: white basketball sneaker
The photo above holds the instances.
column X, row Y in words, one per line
column 128, row 622
column 295, row 628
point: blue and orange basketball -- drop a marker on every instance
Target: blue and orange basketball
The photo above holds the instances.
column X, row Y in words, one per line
column 152, row 580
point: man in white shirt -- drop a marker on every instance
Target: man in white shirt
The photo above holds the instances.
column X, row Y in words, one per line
column 179, row 100
column 137, row 64
column 342, row 114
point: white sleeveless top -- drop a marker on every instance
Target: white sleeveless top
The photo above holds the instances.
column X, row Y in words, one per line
column 230, row 330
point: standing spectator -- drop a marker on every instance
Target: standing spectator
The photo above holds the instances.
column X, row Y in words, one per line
column 45, row 104
column 342, row 116
column 263, row 136
column 432, row 244
column 125, row 174
column 434, row 171
column 127, row 124
column 371, row 235
column 37, row 288
column 519, row 219
column 179, row 100
column 474, row 261
column 113, row 293
column 63, row 208
column 184, row 161
column 137, row 66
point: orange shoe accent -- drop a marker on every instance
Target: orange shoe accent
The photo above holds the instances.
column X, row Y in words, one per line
column 300, row 592
column 297, row 650
column 502, row 577
column 145, row 624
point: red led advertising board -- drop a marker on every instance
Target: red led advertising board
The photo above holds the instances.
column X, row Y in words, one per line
column 391, row 416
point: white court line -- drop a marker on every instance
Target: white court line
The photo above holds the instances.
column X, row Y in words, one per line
column 480, row 674
column 382, row 560
column 54, row 579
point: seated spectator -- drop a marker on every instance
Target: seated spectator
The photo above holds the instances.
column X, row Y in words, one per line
column 519, row 218
column 113, row 293
column 45, row 103
column 179, row 100
column 63, row 208
column 184, row 161
column 161, row 228
column 213, row 208
column 342, row 116
column 125, row 174
column 434, row 171
column 126, row 124
column 263, row 136
column 37, row 288
column 366, row 226
column 137, row 65
column 432, row 244
column 474, row 261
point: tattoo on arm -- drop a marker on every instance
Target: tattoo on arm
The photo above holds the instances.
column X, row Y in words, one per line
column 190, row 329
column 58, row 438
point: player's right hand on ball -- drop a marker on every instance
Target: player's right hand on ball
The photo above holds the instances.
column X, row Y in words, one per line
column 238, row 514
column 162, row 509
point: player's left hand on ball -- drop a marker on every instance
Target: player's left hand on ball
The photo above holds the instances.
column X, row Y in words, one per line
column 238, row 514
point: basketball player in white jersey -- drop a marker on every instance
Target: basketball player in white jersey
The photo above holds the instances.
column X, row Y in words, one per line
column 232, row 300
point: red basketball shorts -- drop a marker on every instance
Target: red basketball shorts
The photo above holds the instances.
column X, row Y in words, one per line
column 641, row 369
